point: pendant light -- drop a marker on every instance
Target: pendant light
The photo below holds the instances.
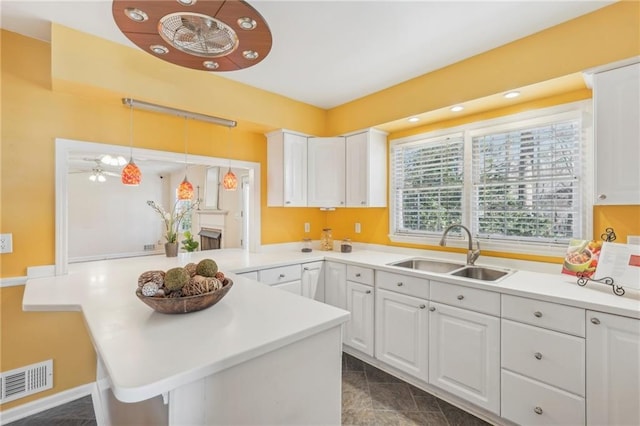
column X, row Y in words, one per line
column 131, row 175
column 185, row 190
column 229, row 181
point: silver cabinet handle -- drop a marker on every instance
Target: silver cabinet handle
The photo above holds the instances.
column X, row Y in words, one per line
column 537, row 410
column 538, row 355
column 281, row 276
column 602, row 197
column 537, row 314
column 423, row 306
column 432, row 309
column 400, row 284
column 287, row 202
column 305, row 269
column 363, row 202
column 358, row 275
column 368, row 292
column 460, row 297
column 595, row 321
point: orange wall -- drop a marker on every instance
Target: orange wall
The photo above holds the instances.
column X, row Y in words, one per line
column 65, row 90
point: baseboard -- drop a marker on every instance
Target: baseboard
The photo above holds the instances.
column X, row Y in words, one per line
column 42, row 404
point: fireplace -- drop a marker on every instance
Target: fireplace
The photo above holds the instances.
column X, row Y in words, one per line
column 210, row 238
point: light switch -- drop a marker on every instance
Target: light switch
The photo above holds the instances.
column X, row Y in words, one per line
column 633, row 239
column 358, row 228
column 6, row 243
column 307, row 227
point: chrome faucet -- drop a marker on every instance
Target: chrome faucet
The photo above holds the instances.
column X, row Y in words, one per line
column 472, row 255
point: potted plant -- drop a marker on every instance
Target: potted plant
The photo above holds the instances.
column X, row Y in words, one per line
column 189, row 244
column 172, row 222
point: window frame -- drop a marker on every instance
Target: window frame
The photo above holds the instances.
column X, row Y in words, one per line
column 580, row 109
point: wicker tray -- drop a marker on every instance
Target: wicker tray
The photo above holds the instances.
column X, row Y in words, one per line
column 183, row 305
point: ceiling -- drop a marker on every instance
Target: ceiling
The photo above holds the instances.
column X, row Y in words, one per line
column 327, row 53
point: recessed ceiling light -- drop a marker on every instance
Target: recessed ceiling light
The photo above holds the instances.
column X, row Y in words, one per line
column 187, row 2
column 413, row 120
column 210, row 65
column 159, row 49
column 457, row 108
column 247, row 23
column 512, row 94
column 136, row 14
column 250, row 54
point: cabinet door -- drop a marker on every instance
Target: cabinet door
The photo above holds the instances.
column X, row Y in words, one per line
column 326, row 172
column 359, row 330
column 613, row 369
column 294, row 287
column 295, row 170
column 286, row 170
column 617, row 108
column 401, row 332
column 366, row 169
column 335, row 284
column 313, row 281
column 464, row 354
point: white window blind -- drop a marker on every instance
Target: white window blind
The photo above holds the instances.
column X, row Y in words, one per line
column 526, row 183
column 428, row 184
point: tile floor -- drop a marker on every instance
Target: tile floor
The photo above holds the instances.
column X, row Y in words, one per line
column 369, row 397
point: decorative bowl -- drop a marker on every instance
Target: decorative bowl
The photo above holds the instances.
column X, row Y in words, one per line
column 183, row 305
column 578, row 261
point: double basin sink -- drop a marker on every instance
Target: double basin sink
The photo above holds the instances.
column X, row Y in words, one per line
column 479, row 273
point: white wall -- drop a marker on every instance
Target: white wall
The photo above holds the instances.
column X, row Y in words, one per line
column 110, row 219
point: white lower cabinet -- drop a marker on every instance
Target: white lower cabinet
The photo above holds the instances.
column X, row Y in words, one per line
column 359, row 330
column 613, row 369
column 335, row 284
column 313, row 280
column 464, row 354
column 294, row 287
column 401, row 332
column 287, row 278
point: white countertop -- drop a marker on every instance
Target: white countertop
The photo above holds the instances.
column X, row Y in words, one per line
column 147, row 353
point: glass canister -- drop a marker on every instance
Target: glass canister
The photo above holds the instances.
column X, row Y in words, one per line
column 345, row 246
column 326, row 239
column 306, row 245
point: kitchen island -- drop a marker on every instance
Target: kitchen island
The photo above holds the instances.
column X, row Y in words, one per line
column 259, row 356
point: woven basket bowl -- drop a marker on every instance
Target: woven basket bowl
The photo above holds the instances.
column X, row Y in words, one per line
column 183, row 305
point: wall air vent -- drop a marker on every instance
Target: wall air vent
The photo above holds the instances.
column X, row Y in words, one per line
column 26, row 380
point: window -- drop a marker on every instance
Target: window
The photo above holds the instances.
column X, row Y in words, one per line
column 516, row 183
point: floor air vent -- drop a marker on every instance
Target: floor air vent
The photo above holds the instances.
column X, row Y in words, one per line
column 25, row 381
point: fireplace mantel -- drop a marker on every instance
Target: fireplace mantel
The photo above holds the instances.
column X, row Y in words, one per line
column 213, row 212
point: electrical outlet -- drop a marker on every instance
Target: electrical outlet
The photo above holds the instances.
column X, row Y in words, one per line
column 307, row 227
column 6, row 243
column 358, row 228
column 633, row 239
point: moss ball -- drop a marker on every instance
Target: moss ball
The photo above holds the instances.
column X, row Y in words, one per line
column 207, row 268
column 176, row 278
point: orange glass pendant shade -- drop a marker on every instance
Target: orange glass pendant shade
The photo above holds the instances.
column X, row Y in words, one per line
column 185, row 190
column 131, row 174
column 229, row 181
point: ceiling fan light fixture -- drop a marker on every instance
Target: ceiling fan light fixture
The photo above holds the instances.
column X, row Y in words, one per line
column 159, row 49
column 182, row 31
column 136, row 15
column 247, row 23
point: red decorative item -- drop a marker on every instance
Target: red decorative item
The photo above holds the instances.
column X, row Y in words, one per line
column 185, row 190
column 131, row 174
column 229, row 181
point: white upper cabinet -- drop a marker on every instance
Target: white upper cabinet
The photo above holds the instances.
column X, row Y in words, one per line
column 616, row 95
column 326, row 184
column 366, row 169
column 286, row 169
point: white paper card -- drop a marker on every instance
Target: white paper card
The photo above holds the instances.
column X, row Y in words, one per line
column 620, row 262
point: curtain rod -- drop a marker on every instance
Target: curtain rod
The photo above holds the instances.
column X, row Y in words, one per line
column 179, row 112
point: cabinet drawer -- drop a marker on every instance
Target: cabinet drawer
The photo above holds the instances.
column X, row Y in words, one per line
column 527, row 402
column 252, row 275
column 281, row 274
column 405, row 284
column 359, row 274
column 464, row 297
column 548, row 356
column 566, row 319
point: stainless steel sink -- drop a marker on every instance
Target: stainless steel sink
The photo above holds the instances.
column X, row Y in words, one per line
column 480, row 273
column 428, row 265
